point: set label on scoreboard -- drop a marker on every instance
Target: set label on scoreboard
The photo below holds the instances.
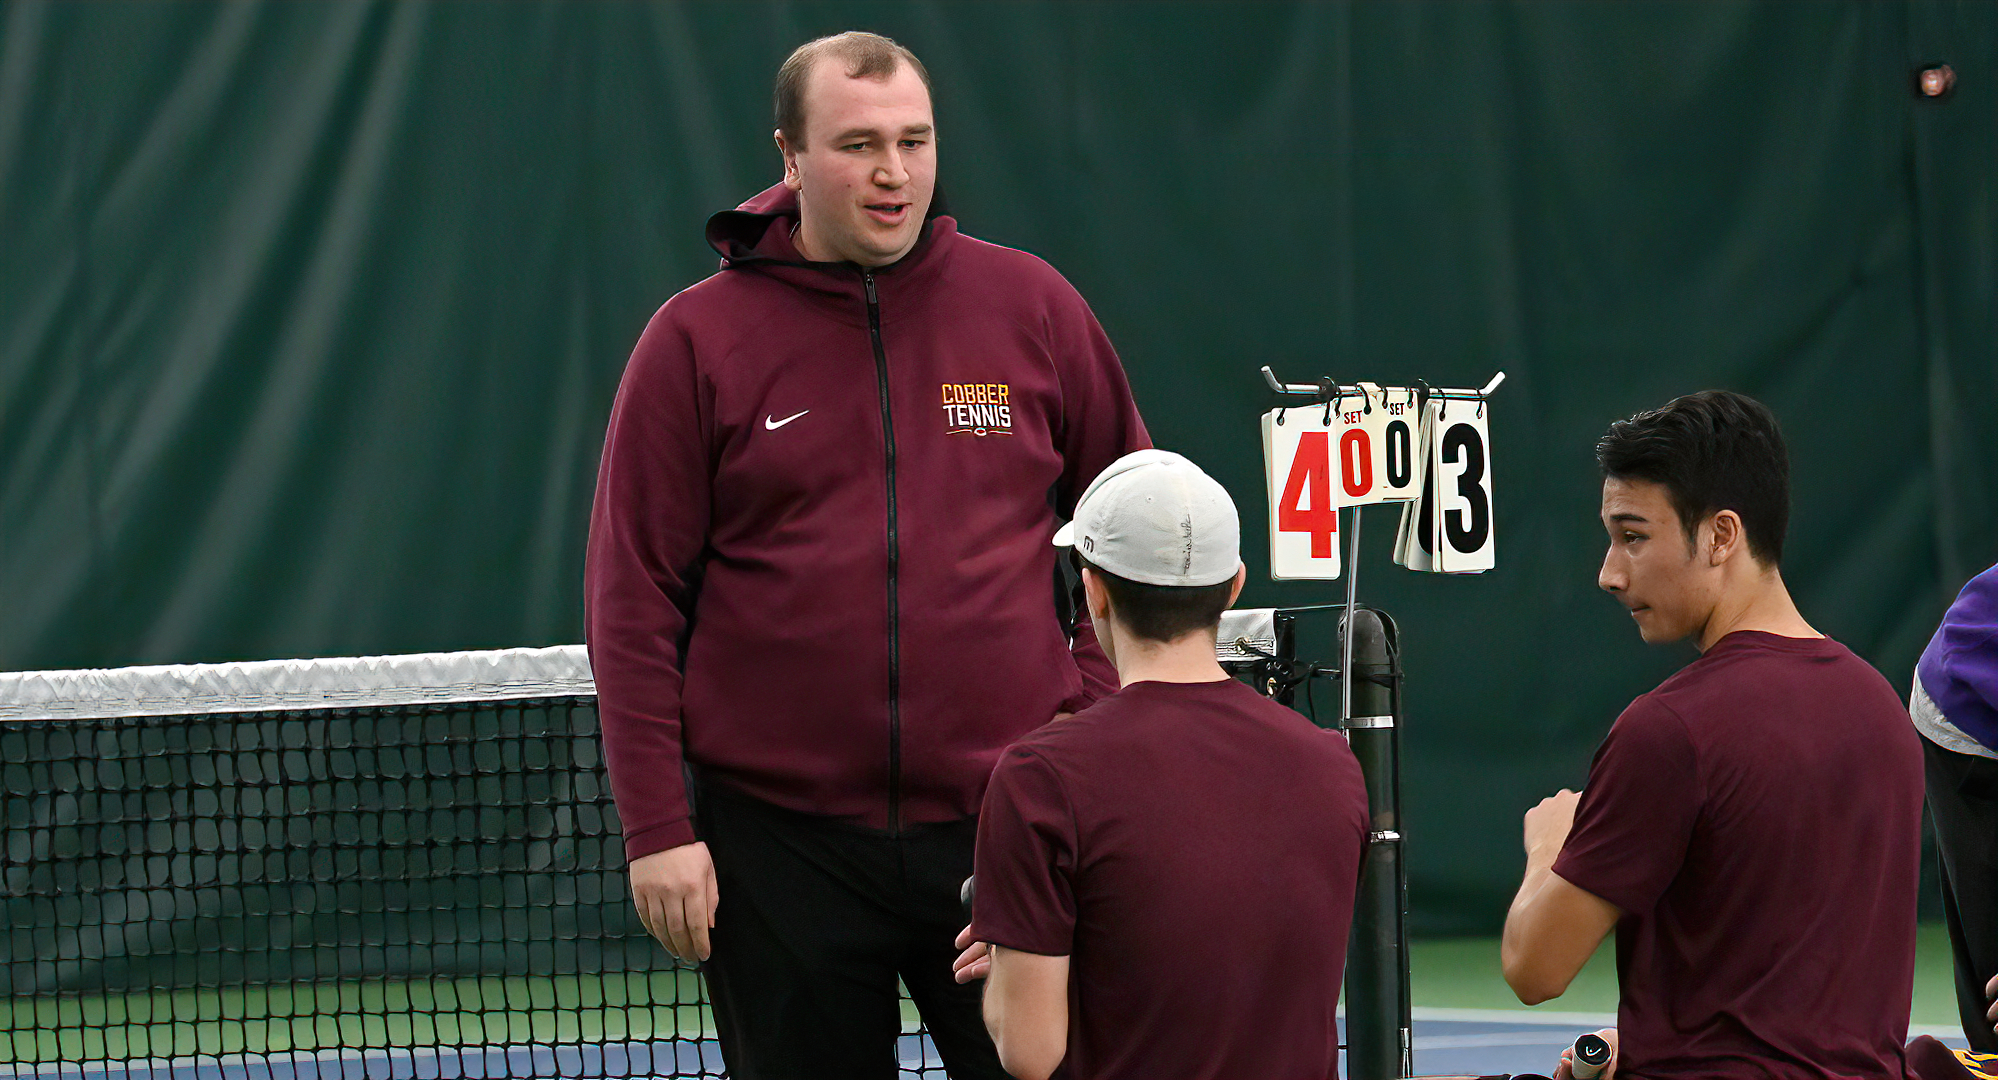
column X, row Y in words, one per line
column 1373, row 445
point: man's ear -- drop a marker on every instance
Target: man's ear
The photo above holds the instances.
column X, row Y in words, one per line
column 1727, row 536
column 1096, row 597
column 790, row 154
column 1241, row 579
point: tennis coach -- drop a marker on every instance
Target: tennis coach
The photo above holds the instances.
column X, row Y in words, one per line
column 820, row 580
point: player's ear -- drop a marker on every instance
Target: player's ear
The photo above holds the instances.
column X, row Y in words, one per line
column 1095, row 596
column 1727, row 536
column 1241, row 579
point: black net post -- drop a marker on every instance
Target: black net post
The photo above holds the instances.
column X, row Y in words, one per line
column 1378, row 1036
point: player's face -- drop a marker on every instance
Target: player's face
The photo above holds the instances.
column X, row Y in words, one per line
column 1650, row 568
column 868, row 166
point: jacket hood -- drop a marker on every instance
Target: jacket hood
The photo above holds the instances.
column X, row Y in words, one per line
column 759, row 231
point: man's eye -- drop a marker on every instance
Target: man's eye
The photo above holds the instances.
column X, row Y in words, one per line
column 912, row 144
column 854, row 146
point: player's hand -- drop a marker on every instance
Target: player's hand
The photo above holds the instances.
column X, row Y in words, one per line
column 1565, row 1070
column 975, row 962
column 675, row 893
column 1547, row 825
column 1991, row 992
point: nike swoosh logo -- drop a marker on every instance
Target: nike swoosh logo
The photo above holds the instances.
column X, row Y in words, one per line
column 771, row 423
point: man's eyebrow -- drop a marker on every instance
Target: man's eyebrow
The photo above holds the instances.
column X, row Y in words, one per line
column 1627, row 519
column 851, row 134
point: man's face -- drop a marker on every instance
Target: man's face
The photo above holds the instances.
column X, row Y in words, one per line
column 868, row 166
column 1650, row 567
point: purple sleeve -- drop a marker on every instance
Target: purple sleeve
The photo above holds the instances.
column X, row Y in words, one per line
column 1099, row 424
column 1025, row 859
column 1637, row 813
column 647, row 530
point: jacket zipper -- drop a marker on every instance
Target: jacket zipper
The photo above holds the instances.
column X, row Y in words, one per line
column 894, row 563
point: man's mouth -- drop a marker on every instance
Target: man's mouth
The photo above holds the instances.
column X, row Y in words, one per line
column 888, row 213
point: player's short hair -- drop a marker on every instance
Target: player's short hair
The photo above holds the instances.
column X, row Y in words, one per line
column 1711, row 451
column 863, row 55
column 1164, row 613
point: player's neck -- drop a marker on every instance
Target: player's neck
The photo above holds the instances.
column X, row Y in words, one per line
column 1190, row 659
column 1759, row 601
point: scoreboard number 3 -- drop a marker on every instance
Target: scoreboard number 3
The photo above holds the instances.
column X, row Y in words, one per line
column 1459, row 524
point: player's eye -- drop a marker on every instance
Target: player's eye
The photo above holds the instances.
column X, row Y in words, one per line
column 912, row 144
column 854, row 146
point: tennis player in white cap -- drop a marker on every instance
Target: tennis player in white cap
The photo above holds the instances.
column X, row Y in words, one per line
column 1165, row 879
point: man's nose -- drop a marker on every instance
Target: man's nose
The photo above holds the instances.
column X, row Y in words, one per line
column 892, row 172
column 1611, row 578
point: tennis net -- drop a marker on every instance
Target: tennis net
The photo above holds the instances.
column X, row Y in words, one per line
column 393, row 867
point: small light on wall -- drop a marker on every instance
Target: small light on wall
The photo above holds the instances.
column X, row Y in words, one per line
column 1935, row 80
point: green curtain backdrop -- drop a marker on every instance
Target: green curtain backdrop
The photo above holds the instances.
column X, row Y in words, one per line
column 311, row 313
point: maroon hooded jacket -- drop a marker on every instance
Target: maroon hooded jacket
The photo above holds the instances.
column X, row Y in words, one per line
column 820, row 562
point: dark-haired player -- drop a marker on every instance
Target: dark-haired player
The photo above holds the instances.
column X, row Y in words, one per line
column 1751, row 828
column 1166, row 878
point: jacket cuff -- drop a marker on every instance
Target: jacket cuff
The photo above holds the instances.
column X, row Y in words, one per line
column 657, row 838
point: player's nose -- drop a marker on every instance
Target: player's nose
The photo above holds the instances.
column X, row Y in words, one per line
column 1611, row 577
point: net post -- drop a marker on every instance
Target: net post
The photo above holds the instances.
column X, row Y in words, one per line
column 1378, row 1044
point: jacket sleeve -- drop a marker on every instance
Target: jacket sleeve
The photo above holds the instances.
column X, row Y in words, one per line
column 648, row 530
column 1099, row 424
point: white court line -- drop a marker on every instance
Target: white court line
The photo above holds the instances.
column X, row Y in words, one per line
column 1515, row 1016
column 1593, row 1020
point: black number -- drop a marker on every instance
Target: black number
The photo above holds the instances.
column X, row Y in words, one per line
column 1400, row 454
column 1467, row 532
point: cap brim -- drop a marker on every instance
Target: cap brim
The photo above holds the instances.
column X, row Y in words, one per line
column 1065, row 536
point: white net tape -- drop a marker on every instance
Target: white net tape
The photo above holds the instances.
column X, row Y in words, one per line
column 271, row 685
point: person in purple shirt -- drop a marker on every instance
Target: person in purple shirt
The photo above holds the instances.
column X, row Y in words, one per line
column 1954, row 703
column 1184, row 803
column 1751, row 829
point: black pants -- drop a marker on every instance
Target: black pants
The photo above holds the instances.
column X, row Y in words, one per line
column 817, row 919
column 1963, row 804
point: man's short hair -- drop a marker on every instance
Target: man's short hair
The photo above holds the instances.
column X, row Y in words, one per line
column 863, row 56
column 1164, row 613
column 1711, row 451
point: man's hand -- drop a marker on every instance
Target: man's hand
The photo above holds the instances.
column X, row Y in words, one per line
column 675, row 893
column 1565, row 1071
column 1991, row 993
column 975, row 962
column 1547, row 825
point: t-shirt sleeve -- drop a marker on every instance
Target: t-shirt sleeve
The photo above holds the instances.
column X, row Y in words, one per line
column 1638, row 811
column 1025, row 861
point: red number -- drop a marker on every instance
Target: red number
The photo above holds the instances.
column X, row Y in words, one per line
column 1356, row 467
column 1312, row 466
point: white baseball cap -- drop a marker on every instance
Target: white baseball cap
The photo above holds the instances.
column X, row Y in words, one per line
column 1154, row 517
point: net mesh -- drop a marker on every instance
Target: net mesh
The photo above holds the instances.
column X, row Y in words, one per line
column 402, row 868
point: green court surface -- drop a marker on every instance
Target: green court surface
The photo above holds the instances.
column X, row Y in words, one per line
column 1463, row 973
column 365, row 1014
column 1445, row 974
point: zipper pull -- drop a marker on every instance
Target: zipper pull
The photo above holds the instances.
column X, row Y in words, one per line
column 867, row 279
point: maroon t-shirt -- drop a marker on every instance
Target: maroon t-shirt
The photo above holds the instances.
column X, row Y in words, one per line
column 1757, row 819
column 1193, row 848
